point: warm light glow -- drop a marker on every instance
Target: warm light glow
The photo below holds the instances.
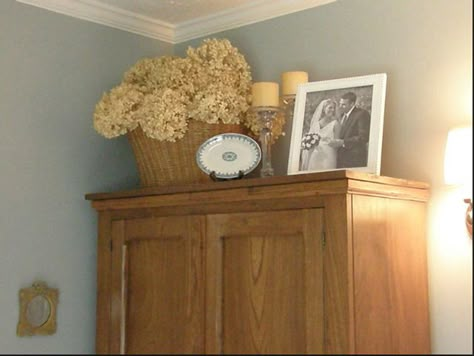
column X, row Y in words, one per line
column 447, row 225
column 458, row 167
column 458, row 157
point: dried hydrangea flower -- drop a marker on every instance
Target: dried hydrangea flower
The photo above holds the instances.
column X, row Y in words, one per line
column 114, row 114
column 222, row 80
column 163, row 115
column 212, row 84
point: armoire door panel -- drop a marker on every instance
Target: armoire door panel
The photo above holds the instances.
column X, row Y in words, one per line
column 268, row 296
column 161, row 286
column 263, row 308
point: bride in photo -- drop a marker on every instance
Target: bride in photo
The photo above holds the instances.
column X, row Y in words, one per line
column 324, row 123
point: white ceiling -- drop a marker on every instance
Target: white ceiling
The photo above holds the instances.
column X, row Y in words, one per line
column 175, row 21
column 178, row 11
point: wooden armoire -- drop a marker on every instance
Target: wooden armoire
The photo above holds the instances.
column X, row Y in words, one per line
column 321, row 263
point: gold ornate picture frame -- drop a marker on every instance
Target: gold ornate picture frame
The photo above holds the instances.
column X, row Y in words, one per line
column 38, row 308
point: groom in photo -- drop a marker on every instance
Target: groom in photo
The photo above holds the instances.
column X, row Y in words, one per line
column 354, row 136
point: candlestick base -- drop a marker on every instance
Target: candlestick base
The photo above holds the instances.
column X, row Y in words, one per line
column 266, row 114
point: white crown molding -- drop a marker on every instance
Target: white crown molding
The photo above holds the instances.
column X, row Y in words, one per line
column 241, row 16
column 95, row 11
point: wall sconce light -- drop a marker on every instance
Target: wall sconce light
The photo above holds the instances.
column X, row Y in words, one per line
column 458, row 166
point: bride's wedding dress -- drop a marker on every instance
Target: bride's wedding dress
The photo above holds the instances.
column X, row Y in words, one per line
column 323, row 157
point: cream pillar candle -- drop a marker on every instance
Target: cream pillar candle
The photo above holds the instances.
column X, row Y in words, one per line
column 290, row 81
column 265, row 94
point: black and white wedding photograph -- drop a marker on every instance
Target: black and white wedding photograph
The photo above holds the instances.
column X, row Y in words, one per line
column 338, row 125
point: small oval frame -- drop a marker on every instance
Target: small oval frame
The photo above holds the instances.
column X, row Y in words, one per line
column 26, row 295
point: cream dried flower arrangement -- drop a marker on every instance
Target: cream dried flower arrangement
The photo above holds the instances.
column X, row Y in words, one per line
column 212, row 84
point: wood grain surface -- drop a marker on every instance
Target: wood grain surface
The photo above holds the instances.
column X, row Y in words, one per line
column 325, row 263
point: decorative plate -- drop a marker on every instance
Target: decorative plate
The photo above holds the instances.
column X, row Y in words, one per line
column 228, row 154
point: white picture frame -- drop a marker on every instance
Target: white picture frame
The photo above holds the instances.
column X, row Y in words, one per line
column 362, row 151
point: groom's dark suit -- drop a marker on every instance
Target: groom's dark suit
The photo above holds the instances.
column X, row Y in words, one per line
column 355, row 133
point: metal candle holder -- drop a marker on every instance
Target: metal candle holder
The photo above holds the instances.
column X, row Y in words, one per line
column 266, row 115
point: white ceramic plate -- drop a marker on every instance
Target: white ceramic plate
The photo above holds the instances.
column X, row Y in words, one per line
column 227, row 154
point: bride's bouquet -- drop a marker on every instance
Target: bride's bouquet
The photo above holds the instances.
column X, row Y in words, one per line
column 310, row 140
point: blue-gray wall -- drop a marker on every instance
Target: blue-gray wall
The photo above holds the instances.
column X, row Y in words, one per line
column 53, row 70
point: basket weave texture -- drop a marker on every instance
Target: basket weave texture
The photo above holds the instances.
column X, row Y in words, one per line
column 163, row 163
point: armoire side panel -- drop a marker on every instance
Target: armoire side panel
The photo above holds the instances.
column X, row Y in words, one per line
column 391, row 294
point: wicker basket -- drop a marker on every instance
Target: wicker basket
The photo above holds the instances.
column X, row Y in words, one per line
column 162, row 163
